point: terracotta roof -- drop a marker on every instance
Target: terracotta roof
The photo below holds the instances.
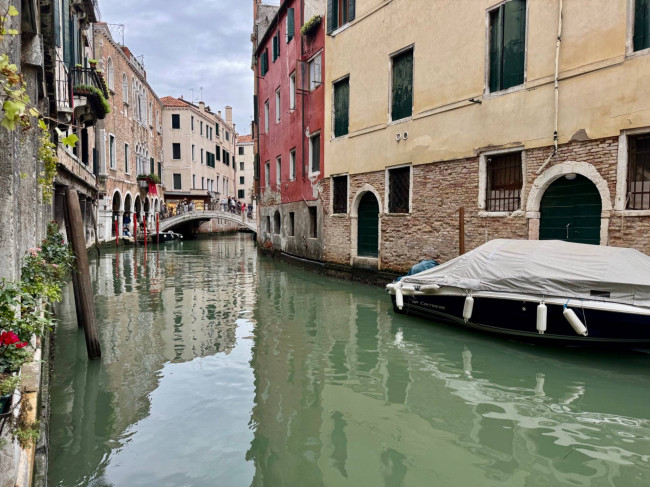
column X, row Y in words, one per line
column 170, row 101
column 243, row 139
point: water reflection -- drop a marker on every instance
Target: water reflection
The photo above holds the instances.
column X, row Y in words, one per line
column 353, row 395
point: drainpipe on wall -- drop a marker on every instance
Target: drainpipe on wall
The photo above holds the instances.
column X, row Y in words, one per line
column 302, row 98
column 557, row 88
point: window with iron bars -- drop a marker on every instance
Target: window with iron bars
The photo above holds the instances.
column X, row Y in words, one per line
column 340, row 194
column 638, row 173
column 399, row 188
column 504, row 182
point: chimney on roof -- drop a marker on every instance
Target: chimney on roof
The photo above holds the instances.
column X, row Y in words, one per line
column 228, row 115
column 202, row 106
column 181, row 97
column 219, row 113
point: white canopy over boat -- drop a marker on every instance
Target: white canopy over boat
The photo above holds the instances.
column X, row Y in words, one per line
column 549, row 268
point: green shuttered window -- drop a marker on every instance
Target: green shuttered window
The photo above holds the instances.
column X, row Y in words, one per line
column 507, row 45
column 291, row 25
column 341, row 107
column 402, row 92
column 339, row 13
column 276, row 46
column 264, row 65
column 641, row 25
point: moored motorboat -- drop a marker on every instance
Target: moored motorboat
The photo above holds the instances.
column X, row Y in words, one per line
column 547, row 289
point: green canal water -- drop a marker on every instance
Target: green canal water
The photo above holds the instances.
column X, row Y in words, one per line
column 224, row 368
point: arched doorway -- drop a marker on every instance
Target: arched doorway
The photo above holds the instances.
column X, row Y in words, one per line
column 127, row 212
column 368, row 226
column 117, row 203
column 570, row 210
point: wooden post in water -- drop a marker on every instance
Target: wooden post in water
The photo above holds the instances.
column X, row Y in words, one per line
column 75, row 276
column 144, row 228
column 117, row 232
column 135, row 228
column 461, row 231
column 82, row 271
column 157, row 229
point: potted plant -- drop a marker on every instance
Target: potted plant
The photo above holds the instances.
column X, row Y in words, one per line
column 92, row 63
column 310, row 25
column 7, row 387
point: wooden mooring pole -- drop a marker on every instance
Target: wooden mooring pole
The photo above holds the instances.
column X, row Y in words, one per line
column 461, row 230
column 86, row 305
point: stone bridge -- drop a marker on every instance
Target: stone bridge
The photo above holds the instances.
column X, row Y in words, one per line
column 171, row 222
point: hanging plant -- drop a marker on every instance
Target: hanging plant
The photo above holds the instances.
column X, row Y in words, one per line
column 311, row 24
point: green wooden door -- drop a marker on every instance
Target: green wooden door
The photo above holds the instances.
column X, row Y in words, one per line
column 368, row 226
column 570, row 211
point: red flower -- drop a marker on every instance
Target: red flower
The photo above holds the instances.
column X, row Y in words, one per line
column 21, row 345
column 8, row 338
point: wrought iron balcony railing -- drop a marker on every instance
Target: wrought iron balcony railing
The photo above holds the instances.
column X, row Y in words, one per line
column 81, row 78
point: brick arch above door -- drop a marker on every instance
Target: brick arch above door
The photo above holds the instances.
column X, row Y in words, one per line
column 552, row 174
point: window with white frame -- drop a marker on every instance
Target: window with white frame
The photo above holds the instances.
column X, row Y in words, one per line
column 111, row 151
column 399, row 189
column 292, row 165
column 315, row 77
column 110, row 79
column 504, row 182
column 314, row 153
column 638, row 172
column 277, row 105
column 278, row 170
column 292, row 91
column 507, row 45
column 267, row 174
column 266, row 116
column 125, row 89
column 126, row 158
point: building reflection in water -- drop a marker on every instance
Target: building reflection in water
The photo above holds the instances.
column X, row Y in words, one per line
column 347, row 393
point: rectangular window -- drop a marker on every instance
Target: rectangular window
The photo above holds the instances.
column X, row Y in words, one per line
column 638, row 173
column 241, row 194
column 193, row 152
column 340, row 194
column 152, row 166
column 313, row 222
column 264, row 65
column 504, row 182
column 339, row 13
column 201, row 156
column 111, row 151
column 241, row 179
column 641, row 25
column 267, row 174
column 277, row 106
column 266, row 116
column 191, row 123
column 399, row 189
column 177, row 181
column 176, row 121
column 227, row 136
column 160, row 170
column 402, row 85
column 241, row 151
column 241, row 165
column 276, row 46
column 217, row 131
column 201, row 129
column 314, row 153
column 292, row 91
column 292, row 165
column 202, row 182
column 278, row 171
column 292, row 224
column 126, row 158
column 176, row 151
column 291, row 25
column 193, row 181
column 507, row 45
column 341, row 107
column 315, row 78
column 217, row 152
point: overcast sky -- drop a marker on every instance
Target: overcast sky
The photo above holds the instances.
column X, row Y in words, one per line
column 193, row 44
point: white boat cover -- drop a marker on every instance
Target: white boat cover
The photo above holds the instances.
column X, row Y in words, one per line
column 547, row 268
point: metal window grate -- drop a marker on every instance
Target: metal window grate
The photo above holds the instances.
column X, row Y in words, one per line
column 340, row 191
column 504, row 182
column 399, row 183
column 638, row 175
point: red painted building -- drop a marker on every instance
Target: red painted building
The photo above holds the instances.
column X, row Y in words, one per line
column 289, row 67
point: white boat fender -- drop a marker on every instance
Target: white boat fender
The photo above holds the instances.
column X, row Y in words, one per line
column 468, row 307
column 574, row 321
column 429, row 288
column 542, row 315
column 399, row 297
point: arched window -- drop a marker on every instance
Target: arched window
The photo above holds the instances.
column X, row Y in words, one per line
column 125, row 88
column 150, row 113
column 109, row 75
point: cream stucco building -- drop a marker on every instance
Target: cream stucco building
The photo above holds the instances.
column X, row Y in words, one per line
column 529, row 115
column 245, row 169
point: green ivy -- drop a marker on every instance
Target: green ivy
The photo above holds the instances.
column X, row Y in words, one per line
column 310, row 24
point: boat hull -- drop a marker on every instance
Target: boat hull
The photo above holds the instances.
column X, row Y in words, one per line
column 519, row 319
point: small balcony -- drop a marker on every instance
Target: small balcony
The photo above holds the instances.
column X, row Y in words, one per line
column 90, row 94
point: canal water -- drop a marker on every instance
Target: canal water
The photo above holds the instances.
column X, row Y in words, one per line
column 224, row 368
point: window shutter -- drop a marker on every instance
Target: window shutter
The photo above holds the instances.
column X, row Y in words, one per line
column 331, row 16
column 67, row 38
column 496, row 36
column 152, row 166
column 277, row 43
column 341, row 107
column 57, row 26
column 641, row 25
column 351, row 10
column 273, row 49
column 291, row 28
column 514, row 42
column 402, row 105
